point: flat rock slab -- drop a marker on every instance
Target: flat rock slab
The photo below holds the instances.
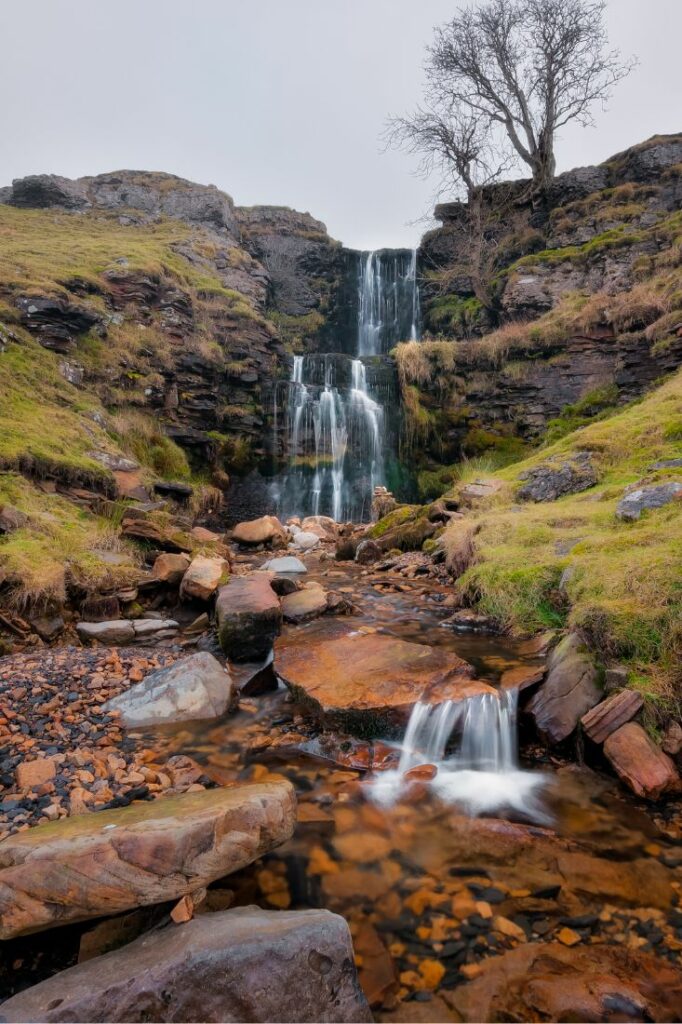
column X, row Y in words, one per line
column 245, row 964
column 613, row 712
column 193, row 688
column 639, row 763
column 124, row 631
column 569, row 690
column 305, row 604
column 367, row 684
column 549, row 981
column 105, row 863
column 249, row 617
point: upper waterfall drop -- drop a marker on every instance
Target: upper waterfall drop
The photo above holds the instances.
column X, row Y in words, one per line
column 338, row 417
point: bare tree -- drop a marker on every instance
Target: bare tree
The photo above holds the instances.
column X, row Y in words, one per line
column 502, row 78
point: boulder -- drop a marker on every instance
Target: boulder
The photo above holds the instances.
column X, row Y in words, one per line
column 326, row 524
column 203, row 577
column 233, row 965
column 170, row 569
column 549, row 981
column 285, row 564
column 639, row 763
column 305, row 604
column 11, row 519
column 367, row 552
column 610, row 714
column 304, row 540
column 192, row 688
column 266, row 530
column 570, row 689
column 105, row 863
column 635, row 502
column 550, row 480
column 249, row 617
column 367, row 684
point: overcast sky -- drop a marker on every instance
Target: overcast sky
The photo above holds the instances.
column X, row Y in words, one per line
column 274, row 101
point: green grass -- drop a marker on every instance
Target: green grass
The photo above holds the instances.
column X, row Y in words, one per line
column 624, row 591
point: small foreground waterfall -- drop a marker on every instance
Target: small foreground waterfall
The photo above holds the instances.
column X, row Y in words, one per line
column 481, row 774
column 335, row 418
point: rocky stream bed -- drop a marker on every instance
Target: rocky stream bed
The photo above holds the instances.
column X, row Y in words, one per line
column 462, row 905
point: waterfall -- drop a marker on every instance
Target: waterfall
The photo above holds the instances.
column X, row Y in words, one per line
column 335, row 421
column 481, row 774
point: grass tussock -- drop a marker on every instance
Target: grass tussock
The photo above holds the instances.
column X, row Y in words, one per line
column 140, row 436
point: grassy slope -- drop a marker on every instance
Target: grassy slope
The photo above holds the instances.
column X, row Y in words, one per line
column 625, row 585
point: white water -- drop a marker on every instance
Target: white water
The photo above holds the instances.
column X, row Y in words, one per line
column 481, row 775
column 336, row 436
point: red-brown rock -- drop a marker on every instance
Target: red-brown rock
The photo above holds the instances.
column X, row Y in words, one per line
column 266, row 530
column 249, row 617
column 613, row 712
column 639, row 763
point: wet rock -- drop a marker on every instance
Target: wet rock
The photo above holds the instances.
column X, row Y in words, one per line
column 193, row 688
column 639, row 763
column 170, row 568
column 11, row 519
column 367, row 552
column 234, row 965
column 346, row 548
column 570, row 689
column 266, row 530
column 469, row 621
column 249, row 617
column 305, row 604
column 555, row 982
column 610, row 714
column 164, row 537
column 551, row 480
column 368, row 684
column 203, row 577
column 105, row 863
column 285, row 564
column 633, row 504
column 284, row 584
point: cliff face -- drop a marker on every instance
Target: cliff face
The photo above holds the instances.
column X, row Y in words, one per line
column 583, row 295
column 162, row 297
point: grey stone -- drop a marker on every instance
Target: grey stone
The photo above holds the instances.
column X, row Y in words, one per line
column 633, row 504
column 149, row 627
column 667, row 464
column 551, row 480
column 116, row 463
column 244, row 964
column 287, row 563
column 118, row 631
column 570, row 689
column 194, row 688
column 304, row 540
column 305, row 604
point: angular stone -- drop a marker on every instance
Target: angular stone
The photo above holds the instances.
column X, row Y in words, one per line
column 305, row 604
column 610, row 714
column 203, row 577
column 152, row 627
column 633, row 504
column 249, row 617
column 164, row 537
column 266, row 530
column 569, row 690
column 193, row 688
column 550, row 981
column 234, row 965
column 550, row 480
column 105, row 863
column 285, row 564
column 639, row 763
column 118, row 631
column 29, row 774
column 170, row 568
column 368, row 684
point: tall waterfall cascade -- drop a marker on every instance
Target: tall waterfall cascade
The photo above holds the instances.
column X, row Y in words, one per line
column 335, row 414
column 480, row 772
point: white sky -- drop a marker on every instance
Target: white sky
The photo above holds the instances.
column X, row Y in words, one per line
column 274, row 101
